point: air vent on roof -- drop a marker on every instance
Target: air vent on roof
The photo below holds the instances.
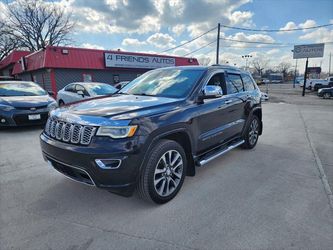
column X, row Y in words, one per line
column 65, row 51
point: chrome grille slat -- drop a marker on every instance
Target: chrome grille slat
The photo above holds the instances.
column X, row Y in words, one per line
column 69, row 132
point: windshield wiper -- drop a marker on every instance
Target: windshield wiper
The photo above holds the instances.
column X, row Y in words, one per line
column 143, row 94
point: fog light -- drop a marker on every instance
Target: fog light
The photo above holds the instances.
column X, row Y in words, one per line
column 3, row 120
column 108, row 163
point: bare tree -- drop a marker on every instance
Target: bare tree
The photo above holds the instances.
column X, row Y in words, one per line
column 36, row 24
column 259, row 65
column 284, row 67
column 205, row 61
column 7, row 41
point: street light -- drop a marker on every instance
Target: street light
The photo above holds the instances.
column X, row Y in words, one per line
column 246, row 58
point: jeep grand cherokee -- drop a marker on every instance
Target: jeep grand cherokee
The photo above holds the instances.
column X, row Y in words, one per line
column 155, row 130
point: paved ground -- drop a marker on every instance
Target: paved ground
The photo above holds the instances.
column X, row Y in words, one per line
column 269, row 197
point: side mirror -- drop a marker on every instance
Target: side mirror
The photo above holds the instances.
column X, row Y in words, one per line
column 212, row 91
column 80, row 92
column 51, row 93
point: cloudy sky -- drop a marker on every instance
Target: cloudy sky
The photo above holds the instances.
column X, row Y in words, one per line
column 157, row 25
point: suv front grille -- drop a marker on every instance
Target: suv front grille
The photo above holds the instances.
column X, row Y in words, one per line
column 68, row 132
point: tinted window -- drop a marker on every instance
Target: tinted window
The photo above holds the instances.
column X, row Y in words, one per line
column 100, row 89
column 70, row 88
column 234, row 84
column 218, row 80
column 248, row 83
column 168, row 82
column 79, row 87
column 21, row 89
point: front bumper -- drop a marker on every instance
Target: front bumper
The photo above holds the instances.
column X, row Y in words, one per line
column 18, row 117
column 78, row 162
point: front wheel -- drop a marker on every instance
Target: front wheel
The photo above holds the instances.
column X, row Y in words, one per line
column 327, row 96
column 164, row 173
column 252, row 133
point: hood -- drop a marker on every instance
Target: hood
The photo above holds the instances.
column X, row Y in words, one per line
column 26, row 101
column 122, row 107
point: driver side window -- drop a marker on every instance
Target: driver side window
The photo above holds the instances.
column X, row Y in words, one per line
column 218, row 80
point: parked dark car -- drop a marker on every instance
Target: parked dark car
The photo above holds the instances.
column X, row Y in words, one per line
column 24, row 103
column 156, row 130
column 325, row 93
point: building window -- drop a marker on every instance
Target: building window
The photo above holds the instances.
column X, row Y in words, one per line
column 87, row 77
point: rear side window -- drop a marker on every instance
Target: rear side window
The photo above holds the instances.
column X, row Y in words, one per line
column 79, row 87
column 234, row 83
column 248, row 83
column 70, row 88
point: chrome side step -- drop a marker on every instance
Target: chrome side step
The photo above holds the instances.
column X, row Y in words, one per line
column 209, row 158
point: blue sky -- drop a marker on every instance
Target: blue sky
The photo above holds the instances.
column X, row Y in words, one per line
column 156, row 25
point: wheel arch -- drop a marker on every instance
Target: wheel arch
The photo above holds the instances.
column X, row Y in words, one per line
column 181, row 136
column 257, row 111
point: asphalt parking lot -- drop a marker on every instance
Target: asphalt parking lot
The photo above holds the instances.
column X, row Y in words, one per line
column 274, row 196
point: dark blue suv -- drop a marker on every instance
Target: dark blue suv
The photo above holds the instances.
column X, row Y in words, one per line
column 156, row 130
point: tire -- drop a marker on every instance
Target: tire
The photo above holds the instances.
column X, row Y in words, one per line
column 252, row 133
column 160, row 179
column 327, row 96
column 61, row 103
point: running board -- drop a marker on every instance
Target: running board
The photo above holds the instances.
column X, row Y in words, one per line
column 209, row 158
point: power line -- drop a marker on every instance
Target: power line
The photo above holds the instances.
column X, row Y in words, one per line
column 257, row 42
column 204, row 46
column 275, row 30
column 187, row 42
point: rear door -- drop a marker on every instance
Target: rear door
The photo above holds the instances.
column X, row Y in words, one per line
column 69, row 94
column 237, row 97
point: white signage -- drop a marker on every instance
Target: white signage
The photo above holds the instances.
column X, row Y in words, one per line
column 137, row 61
column 309, row 50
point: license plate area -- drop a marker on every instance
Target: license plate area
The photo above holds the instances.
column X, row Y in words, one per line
column 34, row 117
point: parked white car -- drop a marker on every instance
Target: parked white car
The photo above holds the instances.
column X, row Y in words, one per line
column 308, row 84
column 79, row 91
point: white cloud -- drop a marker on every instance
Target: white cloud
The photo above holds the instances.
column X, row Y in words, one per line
column 319, row 35
column 161, row 40
column 92, row 46
column 249, row 38
column 288, row 26
column 241, row 17
column 272, row 51
column 178, row 29
column 307, row 24
column 132, row 42
column 3, row 10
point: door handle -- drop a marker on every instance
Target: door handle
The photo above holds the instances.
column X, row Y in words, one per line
column 228, row 101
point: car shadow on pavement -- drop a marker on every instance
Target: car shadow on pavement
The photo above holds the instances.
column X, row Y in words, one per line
column 21, row 129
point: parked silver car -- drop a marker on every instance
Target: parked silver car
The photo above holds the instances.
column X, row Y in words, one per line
column 79, row 91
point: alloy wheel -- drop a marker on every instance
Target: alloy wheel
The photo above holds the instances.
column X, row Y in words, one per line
column 168, row 173
column 253, row 132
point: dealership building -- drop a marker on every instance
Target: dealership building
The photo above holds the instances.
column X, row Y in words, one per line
column 55, row 67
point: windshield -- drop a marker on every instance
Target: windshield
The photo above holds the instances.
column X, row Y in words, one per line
column 21, row 89
column 100, row 88
column 173, row 83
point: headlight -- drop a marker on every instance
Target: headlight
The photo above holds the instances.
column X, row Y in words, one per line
column 52, row 105
column 117, row 132
column 6, row 107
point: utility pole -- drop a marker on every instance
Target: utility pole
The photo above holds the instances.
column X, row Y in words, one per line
column 305, row 75
column 218, row 43
column 295, row 75
column 329, row 69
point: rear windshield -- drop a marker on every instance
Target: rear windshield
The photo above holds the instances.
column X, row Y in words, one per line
column 21, row 89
